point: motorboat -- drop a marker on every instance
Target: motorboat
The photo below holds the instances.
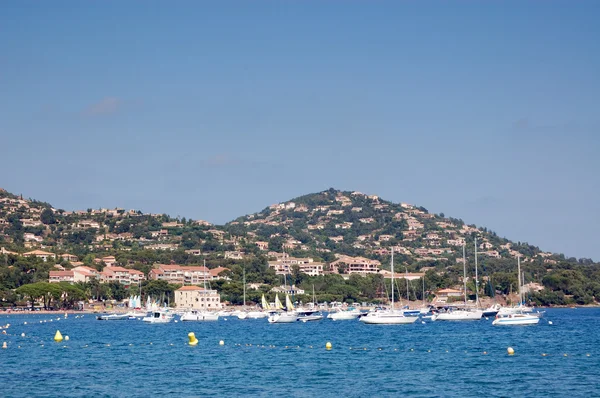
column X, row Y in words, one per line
column 307, row 315
column 515, row 319
column 158, row 317
column 387, row 317
column 409, row 312
column 113, row 317
column 492, row 310
column 195, row 315
column 256, row 314
column 344, row 315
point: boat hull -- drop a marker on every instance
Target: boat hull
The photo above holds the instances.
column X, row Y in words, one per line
column 343, row 315
column 158, row 317
column 283, row 318
column 199, row 317
column 458, row 316
column 257, row 315
column 387, row 319
column 113, row 317
column 516, row 320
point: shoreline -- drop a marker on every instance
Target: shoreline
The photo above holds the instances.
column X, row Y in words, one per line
column 92, row 312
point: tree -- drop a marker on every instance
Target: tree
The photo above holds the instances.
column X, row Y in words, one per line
column 47, row 217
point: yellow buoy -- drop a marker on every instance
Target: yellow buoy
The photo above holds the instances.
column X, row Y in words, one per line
column 192, row 338
column 221, row 342
column 510, row 351
column 22, row 334
column 58, row 337
column 4, row 345
column 328, row 345
column 66, row 338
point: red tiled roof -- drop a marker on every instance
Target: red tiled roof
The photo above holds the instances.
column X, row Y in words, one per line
column 189, row 288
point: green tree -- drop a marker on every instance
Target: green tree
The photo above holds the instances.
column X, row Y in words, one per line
column 47, row 217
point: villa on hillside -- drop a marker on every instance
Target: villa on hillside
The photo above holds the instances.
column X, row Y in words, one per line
column 185, row 274
column 283, row 265
column 355, row 265
column 40, row 254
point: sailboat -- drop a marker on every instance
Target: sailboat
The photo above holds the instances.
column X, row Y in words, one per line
column 391, row 316
column 516, row 315
column 260, row 313
column 425, row 309
column 463, row 314
column 287, row 316
column 279, row 316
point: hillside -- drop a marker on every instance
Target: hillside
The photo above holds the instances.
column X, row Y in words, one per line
column 328, row 228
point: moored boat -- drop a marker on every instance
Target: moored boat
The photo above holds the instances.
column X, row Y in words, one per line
column 112, row 317
column 456, row 314
column 515, row 319
column 195, row 315
column 388, row 317
column 159, row 316
column 309, row 315
column 344, row 315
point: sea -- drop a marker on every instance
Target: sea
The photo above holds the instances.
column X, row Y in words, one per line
column 559, row 357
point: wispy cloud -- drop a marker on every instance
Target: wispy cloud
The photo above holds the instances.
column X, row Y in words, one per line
column 105, row 106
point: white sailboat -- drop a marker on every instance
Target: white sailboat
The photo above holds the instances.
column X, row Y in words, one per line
column 391, row 316
column 463, row 314
column 287, row 316
column 260, row 314
column 425, row 309
column 519, row 315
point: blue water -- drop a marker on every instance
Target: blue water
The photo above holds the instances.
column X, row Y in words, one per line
column 131, row 358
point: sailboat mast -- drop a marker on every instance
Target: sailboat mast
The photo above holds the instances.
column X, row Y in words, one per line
column 407, row 292
column 476, row 279
column 423, row 297
column 244, row 277
column 519, row 277
column 465, row 273
column 522, row 290
column 392, row 266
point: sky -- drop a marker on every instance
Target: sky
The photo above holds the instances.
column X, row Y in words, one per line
column 485, row 111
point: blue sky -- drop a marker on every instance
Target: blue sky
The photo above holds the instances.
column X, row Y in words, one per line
column 486, row 111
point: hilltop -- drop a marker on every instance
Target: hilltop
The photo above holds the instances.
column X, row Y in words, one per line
column 330, row 231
